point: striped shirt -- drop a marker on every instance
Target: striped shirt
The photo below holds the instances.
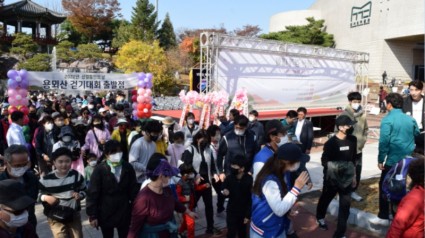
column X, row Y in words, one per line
column 63, row 187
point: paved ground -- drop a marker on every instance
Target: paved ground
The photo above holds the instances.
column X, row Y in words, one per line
column 305, row 225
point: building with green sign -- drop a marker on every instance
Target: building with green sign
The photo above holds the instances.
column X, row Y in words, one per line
column 391, row 31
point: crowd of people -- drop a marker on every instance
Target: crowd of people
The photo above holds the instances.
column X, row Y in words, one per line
column 135, row 174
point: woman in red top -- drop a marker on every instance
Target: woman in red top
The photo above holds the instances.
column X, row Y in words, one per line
column 152, row 215
column 409, row 219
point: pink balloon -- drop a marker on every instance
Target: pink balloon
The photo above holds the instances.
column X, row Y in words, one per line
column 134, row 105
column 24, row 101
column 146, row 95
column 11, row 92
column 18, row 97
column 134, row 98
column 146, row 99
column 149, row 91
column 141, row 91
column 23, row 92
column 140, row 99
column 12, row 101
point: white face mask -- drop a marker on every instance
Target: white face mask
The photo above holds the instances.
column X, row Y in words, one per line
column 239, row 132
column 283, row 140
column 90, row 106
column 191, row 176
column 251, row 118
column 355, row 106
column 295, row 167
column 93, row 163
column 48, row 126
column 17, row 220
column 115, row 158
column 18, row 172
column 190, row 121
column 66, row 139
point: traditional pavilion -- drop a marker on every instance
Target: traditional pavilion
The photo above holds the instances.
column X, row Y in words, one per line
column 28, row 14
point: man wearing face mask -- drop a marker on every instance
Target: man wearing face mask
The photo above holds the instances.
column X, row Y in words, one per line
column 338, row 161
column 14, row 204
column 44, row 142
column 355, row 112
column 143, row 148
column 239, row 141
column 256, row 127
column 227, row 126
column 275, row 137
column 18, row 169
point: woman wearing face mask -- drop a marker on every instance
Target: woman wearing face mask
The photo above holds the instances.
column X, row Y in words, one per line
column 190, row 129
column 200, row 156
column 113, row 188
column 121, row 134
column 96, row 138
column 44, row 141
column 275, row 137
column 273, row 196
column 152, row 213
column 68, row 140
column 13, row 210
column 338, row 161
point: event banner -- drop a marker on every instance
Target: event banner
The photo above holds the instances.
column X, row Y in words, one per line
column 81, row 81
column 279, row 81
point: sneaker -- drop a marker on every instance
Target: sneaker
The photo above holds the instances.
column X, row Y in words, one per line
column 213, row 231
column 356, row 197
column 379, row 221
column 293, row 235
column 322, row 224
column 221, row 214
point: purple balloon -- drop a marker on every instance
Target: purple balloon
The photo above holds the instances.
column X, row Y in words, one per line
column 23, row 73
column 149, row 76
column 149, row 85
column 141, row 75
column 12, row 74
column 146, row 80
column 24, row 84
column 140, row 84
column 11, row 83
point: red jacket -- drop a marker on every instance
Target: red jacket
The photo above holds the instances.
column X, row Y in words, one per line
column 409, row 219
column 182, row 198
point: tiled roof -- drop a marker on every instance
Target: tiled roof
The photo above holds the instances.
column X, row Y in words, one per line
column 29, row 9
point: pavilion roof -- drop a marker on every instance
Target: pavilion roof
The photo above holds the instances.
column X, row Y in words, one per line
column 28, row 10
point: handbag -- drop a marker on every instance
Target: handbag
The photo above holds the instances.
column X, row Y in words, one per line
column 100, row 146
column 60, row 213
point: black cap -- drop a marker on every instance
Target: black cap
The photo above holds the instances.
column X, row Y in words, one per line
column 274, row 126
column 344, row 120
column 12, row 194
column 291, row 152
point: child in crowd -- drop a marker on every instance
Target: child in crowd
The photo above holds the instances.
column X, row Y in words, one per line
column 186, row 187
column 237, row 187
column 91, row 163
column 176, row 149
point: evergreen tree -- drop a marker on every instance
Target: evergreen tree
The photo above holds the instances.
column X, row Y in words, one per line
column 166, row 35
column 144, row 21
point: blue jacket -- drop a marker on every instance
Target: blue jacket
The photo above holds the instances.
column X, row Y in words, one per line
column 397, row 137
column 264, row 221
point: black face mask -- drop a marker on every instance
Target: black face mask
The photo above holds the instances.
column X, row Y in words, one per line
column 234, row 171
column 350, row 131
column 154, row 138
column 99, row 126
column 32, row 115
column 203, row 145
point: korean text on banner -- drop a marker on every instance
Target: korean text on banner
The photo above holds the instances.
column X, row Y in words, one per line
column 81, row 81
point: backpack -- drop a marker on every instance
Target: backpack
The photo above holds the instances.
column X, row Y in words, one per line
column 394, row 184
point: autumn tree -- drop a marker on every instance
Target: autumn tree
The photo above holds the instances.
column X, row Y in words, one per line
column 138, row 56
column 91, row 17
column 24, row 45
column 247, row 31
column 312, row 34
column 166, row 36
column 144, row 21
column 39, row 62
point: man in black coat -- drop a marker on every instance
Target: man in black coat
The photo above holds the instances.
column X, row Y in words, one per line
column 304, row 130
column 414, row 105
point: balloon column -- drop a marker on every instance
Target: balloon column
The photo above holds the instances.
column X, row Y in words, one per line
column 240, row 102
column 17, row 91
column 142, row 97
column 189, row 99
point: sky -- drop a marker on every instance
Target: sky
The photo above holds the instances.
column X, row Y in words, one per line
column 193, row 14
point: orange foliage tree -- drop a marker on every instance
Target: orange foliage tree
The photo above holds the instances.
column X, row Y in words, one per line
column 91, row 17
